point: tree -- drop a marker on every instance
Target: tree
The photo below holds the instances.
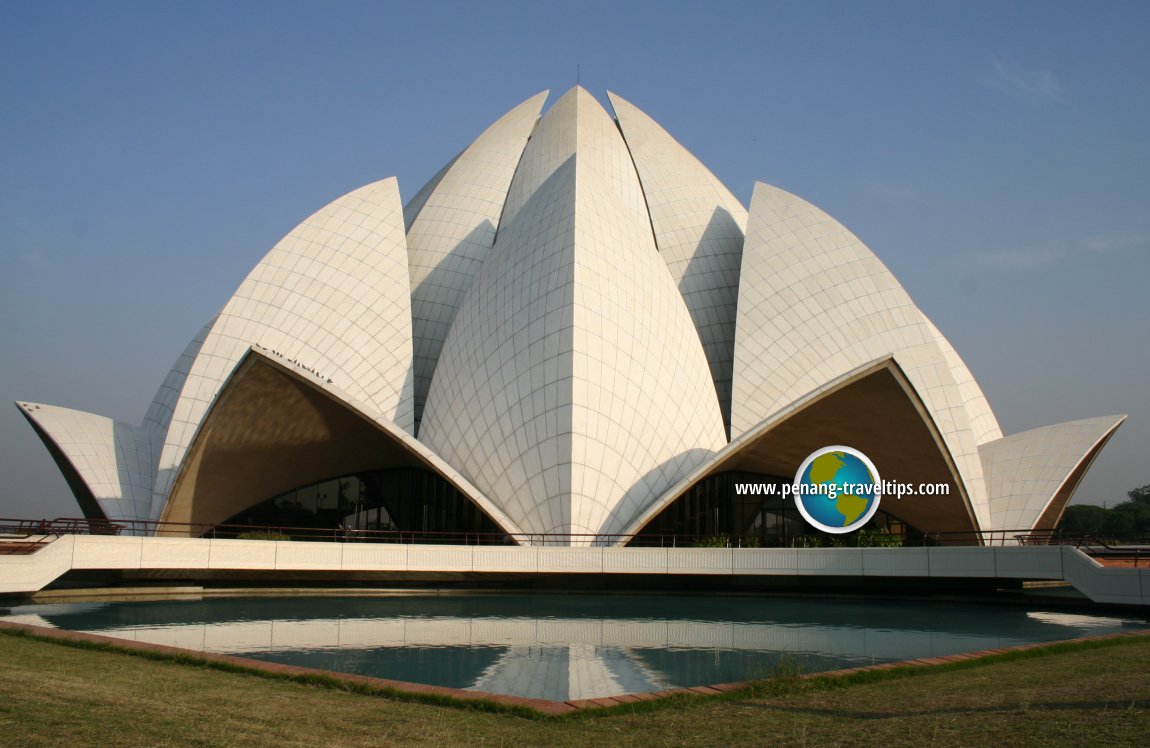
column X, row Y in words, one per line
column 1140, row 495
column 1129, row 516
column 1084, row 518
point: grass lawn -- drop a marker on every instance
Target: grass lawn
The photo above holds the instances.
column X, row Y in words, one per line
column 1096, row 694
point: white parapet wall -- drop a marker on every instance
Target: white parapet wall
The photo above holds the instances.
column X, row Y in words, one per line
column 33, row 572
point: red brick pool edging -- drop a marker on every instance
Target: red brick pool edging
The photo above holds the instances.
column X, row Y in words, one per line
column 544, row 706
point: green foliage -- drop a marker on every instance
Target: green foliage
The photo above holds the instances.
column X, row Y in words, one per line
column 868, row 538
column 864, row 538
column 723, row 540
column 260, row 535
column 1086, row 519
column 821, row 540
column 1129, row 517
column 1140, row 495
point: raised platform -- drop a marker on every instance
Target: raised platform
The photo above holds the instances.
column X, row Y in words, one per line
column 187, row 558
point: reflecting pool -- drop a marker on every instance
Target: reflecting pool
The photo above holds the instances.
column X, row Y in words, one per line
column 571, row 646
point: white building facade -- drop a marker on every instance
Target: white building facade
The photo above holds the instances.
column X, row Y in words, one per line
column 573, row 326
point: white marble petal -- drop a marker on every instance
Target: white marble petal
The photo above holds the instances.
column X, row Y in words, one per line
column 699, row 228
column 1025, row 472
column 331, row 298
column 113, row 459
column 814, row 303
column 451, row 229
column 554, row 391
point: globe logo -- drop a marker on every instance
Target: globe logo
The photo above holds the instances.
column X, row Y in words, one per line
column 837, row 489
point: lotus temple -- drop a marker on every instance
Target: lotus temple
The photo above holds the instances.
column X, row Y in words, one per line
column 572, row 335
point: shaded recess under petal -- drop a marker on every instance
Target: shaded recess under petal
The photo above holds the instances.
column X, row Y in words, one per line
column 274, row 428
column 872, row 408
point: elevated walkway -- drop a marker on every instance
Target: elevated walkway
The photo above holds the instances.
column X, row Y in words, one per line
column 32, row 572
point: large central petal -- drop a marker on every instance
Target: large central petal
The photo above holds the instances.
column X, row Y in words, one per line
column 573, row 389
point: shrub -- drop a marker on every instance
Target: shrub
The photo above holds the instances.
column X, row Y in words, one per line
column 261, row 535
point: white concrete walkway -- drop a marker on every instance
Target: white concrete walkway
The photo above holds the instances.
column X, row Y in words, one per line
column 30, row 573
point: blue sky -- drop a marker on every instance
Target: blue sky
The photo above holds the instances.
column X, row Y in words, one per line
column 995, row 155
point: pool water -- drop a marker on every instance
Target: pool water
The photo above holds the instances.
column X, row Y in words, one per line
column 564, row 647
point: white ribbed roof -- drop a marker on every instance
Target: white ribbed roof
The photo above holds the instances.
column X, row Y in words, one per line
column 585, row 316
column 452, row 230
column 1025, row 472
column 332, row 297
column 983, row 424
column 698, row 226
column 815, row 303
column 554, row 391
column 112, row 458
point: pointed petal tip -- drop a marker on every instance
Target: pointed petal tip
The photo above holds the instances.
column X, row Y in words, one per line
column 536, row 100
column 616, row 99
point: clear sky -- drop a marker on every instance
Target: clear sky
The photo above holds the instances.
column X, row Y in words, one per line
column 995, row 155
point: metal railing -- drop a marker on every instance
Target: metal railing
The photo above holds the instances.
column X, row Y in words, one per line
column 1036, row 537
column 1134, row 548
column 14, row 529
column 24, row 537
column 81, row 526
